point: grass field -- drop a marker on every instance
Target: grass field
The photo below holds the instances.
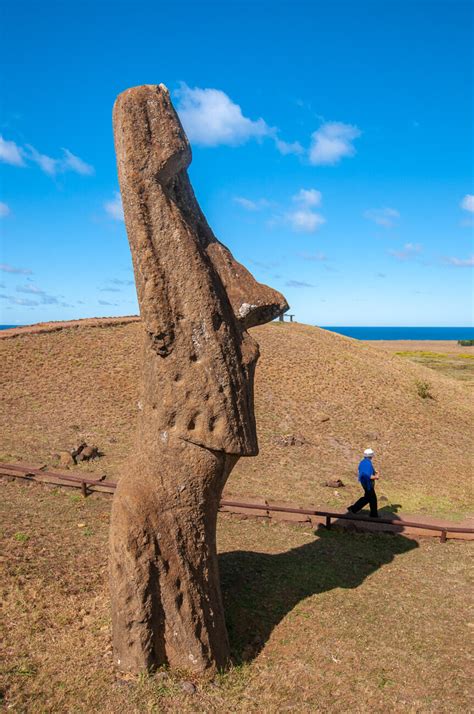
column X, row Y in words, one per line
column 336, row 394
column 446, row 357
column 330, row 622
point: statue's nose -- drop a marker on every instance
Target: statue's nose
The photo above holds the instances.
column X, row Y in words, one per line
column 253, row 303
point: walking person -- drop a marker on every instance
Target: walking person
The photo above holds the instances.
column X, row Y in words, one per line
column 367, row 478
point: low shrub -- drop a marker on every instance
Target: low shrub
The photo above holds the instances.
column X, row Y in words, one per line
column 423, row 389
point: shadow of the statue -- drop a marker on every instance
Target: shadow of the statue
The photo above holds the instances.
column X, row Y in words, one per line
column 260, row 589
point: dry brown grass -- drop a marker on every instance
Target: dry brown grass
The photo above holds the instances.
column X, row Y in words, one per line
column 339, row 394
column 333, row 623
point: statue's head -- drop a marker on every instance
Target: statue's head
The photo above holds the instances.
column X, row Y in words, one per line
column 196, row 301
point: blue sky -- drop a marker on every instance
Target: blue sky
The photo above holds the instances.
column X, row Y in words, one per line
column 332, row 151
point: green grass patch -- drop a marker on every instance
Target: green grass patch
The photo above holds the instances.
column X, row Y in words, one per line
column 21, row 537
column 417, row 353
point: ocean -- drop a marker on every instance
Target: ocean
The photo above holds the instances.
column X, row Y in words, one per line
column 390, row 333
column 404, row 333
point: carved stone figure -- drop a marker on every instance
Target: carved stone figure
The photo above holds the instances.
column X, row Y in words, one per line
column 196, row 414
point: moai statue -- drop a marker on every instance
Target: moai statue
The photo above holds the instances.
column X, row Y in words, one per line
column 196, row 415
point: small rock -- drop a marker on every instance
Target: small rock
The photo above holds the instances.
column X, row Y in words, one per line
column 77, row 449
column 162, row 676
column 88, row 453
column 81, row 525
column 335, row 483
column 323, row 419
column 188, row 687
column 290, row 440
column 120, row 682
column 66, row 459
column 384, row 499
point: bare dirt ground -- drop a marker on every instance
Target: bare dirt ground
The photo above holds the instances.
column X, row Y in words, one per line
column 336, row 395
column 318, row 623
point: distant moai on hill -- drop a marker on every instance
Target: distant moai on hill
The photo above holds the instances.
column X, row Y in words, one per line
column 196, row 414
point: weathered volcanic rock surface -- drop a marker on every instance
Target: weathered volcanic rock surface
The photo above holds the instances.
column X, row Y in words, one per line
column 196, row 408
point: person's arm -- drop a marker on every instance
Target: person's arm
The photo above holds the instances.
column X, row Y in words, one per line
column 374, row 476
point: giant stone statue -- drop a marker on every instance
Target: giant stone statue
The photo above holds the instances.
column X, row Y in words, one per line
column 196, row 415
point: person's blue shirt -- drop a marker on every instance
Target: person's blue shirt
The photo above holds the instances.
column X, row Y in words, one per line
column 366, row 470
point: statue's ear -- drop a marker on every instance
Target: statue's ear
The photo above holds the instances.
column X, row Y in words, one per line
column 146, row 116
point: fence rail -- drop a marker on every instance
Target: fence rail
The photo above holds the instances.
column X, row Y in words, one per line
column 89, row 485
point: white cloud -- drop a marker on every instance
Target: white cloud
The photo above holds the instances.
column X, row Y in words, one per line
column 74, row 163
column 211, row 118
column 47, row 164
column 19, row 301
column 6, row 268
column 116, row 281
column 285, row 147
column 250, row 205
column 332, row 142
column 29, row 289
column 305, row 220
column 308, row 197
column 10, row 153
column 409, row 251
column 468, row 202
column 460, row 262
column 4, row 210
column 313, row 257
column 298, row 284
column 114, row 207
column 42, row 295
column 52, row 167
column 386, row 217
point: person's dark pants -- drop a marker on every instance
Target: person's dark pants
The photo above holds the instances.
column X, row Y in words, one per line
column 369, row 497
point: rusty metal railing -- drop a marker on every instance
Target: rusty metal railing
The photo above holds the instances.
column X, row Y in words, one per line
column 88, row 485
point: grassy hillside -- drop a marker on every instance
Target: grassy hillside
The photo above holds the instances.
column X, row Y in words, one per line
column 336, row 394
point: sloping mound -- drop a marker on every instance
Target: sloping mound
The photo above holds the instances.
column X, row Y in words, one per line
column 335, row 395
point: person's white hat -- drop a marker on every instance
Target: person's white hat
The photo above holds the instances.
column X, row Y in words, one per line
column 369, row 452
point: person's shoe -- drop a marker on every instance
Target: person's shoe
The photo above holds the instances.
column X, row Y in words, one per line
column 349, row 509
